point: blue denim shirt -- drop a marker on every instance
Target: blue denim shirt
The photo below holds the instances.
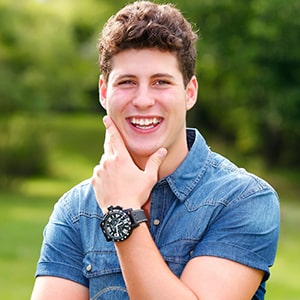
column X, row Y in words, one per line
column 208, row 206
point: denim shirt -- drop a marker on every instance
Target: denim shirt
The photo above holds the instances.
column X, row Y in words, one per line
column 208, row 206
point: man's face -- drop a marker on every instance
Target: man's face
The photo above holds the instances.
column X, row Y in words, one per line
column 146, row 98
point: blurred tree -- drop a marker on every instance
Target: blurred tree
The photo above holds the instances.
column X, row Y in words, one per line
column 48, row 62
column 47, row 52
column 249, row 74
column 248, row 68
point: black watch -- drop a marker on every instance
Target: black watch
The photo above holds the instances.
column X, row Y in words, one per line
column 118, row 223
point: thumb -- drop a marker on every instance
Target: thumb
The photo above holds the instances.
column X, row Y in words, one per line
column 155, row 160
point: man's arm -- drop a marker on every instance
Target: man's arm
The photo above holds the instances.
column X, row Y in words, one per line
column 148, row 277
column 218, row 278
column 50, row 288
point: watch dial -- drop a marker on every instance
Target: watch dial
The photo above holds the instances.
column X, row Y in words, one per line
column 118, row 225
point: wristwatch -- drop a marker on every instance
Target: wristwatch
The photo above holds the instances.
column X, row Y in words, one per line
column 118, row 223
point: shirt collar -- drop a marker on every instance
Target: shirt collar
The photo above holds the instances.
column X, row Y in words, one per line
column 183, row 180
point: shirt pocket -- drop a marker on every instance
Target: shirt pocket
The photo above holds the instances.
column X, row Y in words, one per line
column 177, row 254
column 102, row 269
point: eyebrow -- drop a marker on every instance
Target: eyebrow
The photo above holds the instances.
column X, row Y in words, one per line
column 165, row 75
column 157, row 75
column 122, row 76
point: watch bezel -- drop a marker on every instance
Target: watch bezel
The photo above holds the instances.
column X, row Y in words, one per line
column 108, row 224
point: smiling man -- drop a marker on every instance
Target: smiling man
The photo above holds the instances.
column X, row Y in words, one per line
column 148, row 105
column 163, row 217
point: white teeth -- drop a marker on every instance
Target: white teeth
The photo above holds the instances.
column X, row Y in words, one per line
column 146, row 123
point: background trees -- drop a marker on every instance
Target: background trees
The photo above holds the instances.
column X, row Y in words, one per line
column 248, row 69
column 249, row 64
column 48, row 54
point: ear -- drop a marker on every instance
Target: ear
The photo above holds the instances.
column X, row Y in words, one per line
column 102, row 92
column 191, row 93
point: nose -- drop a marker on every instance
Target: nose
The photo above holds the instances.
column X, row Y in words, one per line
column 143, row 98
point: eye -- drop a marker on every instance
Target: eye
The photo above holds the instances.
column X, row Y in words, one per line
column 126, row 82
column 161, row 82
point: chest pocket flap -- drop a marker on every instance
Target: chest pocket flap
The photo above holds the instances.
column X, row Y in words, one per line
column 100, row 263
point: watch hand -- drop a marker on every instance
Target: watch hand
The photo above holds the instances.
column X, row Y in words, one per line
column 117, row 227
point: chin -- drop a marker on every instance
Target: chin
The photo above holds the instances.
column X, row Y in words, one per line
column 142, row 152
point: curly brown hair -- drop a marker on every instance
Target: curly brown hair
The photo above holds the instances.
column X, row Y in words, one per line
column 144, row 24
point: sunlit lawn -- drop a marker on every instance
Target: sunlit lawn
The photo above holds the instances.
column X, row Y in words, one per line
column 77, row 148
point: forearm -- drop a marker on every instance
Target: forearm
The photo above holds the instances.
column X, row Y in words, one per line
column 146, row 274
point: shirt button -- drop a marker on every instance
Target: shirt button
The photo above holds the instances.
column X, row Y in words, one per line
column 156, row 222
column 191, row 253
column 89, row 268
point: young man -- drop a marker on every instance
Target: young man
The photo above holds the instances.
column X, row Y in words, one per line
column 163, row 216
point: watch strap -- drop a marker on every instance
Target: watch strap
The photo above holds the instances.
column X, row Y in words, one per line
column 138, row 216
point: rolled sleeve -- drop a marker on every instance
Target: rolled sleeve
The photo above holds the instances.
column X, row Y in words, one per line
column 61, row 252
column 246, row 231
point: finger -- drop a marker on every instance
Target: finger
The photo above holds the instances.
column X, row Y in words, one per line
column 155, row 160
column 95, row 174
column 107, row 145
column 113, row 139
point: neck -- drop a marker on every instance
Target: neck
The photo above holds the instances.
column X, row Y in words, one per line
column 170, row 163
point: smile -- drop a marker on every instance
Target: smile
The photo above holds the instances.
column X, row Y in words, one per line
column 145, row 123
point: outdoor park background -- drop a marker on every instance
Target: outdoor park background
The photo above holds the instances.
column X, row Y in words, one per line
column 51, row 132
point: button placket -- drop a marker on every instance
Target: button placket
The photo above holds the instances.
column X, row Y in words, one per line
column 156, row 209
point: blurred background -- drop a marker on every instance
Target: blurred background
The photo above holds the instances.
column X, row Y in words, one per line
column 51, row 132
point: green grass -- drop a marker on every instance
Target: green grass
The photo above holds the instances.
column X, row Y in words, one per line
column 285, row 275
column 76, row 146
column 22, row 220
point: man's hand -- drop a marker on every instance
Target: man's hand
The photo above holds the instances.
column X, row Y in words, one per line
column 117, row 180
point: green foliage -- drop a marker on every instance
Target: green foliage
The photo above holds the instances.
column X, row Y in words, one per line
column 23, row 149
column 248, row 69
column 28, row 146
column 48, row 54
column 248, row 66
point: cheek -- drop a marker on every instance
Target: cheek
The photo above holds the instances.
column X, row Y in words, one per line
column 115, row 106
column 118, row 100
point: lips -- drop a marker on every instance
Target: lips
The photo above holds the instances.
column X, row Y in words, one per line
column 145, row 123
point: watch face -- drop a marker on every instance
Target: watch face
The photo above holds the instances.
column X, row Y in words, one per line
column 116, row 225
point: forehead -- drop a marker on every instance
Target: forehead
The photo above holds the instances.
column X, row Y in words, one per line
column 144, row 61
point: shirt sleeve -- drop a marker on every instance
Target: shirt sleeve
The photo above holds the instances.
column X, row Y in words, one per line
column 245, row 231
column 61, row 253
